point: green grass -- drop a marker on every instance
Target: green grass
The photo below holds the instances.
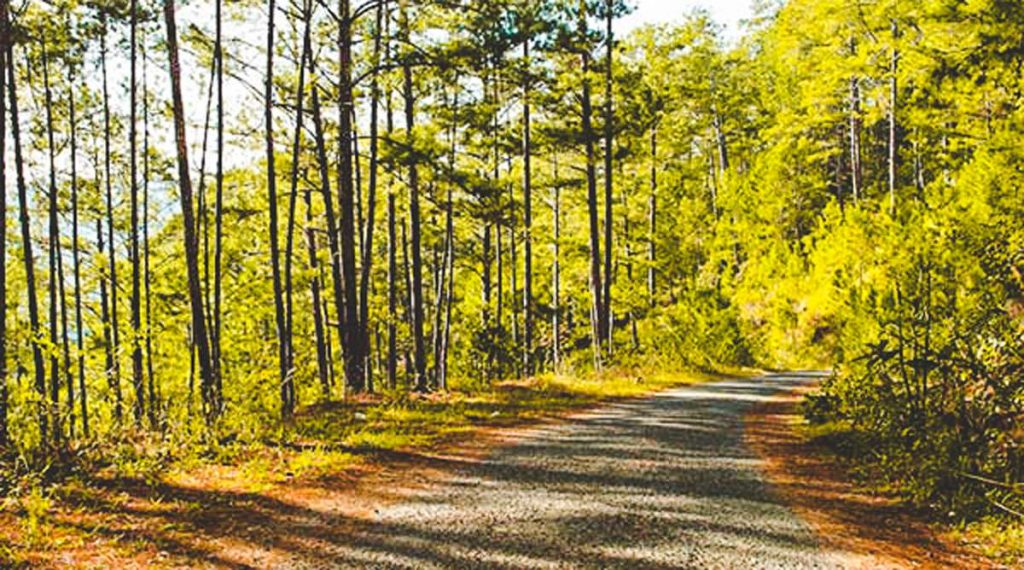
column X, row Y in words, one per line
column 403, row 422
column 328, row 438
column 995, row 537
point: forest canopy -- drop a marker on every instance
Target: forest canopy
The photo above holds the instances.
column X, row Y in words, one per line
column 219, row 215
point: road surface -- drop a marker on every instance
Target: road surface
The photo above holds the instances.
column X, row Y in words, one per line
column 661, row 482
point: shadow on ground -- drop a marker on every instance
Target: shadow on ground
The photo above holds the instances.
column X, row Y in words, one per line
column 661, row 482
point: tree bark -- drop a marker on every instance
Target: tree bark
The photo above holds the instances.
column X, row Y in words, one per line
column 115, row 337
column 371, row 200
column 332, row 223
column 136, row 308
column 855, row 127
column 652, row 219
column 200, row 335
column 4, row 50
column 284, row 367
column 527, row 219
column 893, row 126
column 556, row 308
column 598, row 323
column 609, row 133
column 352, row 337
column 58, row 303
column 217, row 325
column 293, row 191
column 392, row 358
column 419, row 352
column 154, row 403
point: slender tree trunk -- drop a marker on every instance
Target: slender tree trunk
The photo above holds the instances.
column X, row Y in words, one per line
column 855, row 127
column 293, row 198
column 332, row 223
column 392, row 249
column 75, row 252
column 154, row 403
column 284, row 368
column 652, row 219
column 371, row 212
column 609, row 133
column 407, row 274
column 58, row 297
column 513, row 277
column 54, row 253
column 419, row 353
column 527, row 220
column 598, row 323
column 627, row 240
column 893, row 126
column 217, row 323
column 202, row 203
column 322, row 343
column 137, row 361
column 105, row 319
column 4, row 51
column 499, row 254
column 443, row 286
column 720, row 141
column 111, row 251
column 556, row 308
column 352, row 335
column 200, row 334
column 450, row 292
column 322, row 348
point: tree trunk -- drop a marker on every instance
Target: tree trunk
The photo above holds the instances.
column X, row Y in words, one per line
column 58, row 300
column 137, row 361
column 352, row 337
column 609, row 131
column 315, row 284
column 598, row 323
column 284, row 367
column 115, row 339
column 720, row 141
column 512, row 277
column 75, row 249
column 217, row 324
column 332, row 224
column 4, row 50
column 556, row 308
column 293, row 192
column 154, row 404
column 419, row 352
column 652, row 219
column 893, row 127
column 54, row 254
column 200, row 335
column 527, row 221
column 392, row 247
column 371, row 201
column 855, row 127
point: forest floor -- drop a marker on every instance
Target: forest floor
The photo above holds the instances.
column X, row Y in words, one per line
column 529, row 475
column 874, row 529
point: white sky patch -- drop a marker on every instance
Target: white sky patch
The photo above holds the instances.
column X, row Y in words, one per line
column 728, row 13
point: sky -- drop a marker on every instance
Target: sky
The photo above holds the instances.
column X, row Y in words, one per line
column 726, row 12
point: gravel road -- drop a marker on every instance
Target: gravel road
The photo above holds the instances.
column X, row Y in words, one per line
column 663, row 482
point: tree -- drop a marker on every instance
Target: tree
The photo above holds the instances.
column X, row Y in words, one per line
column 199, row 329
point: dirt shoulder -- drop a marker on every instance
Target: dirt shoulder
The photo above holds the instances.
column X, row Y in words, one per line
column 876, row 531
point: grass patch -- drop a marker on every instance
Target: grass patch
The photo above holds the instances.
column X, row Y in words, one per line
column 997, row 538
